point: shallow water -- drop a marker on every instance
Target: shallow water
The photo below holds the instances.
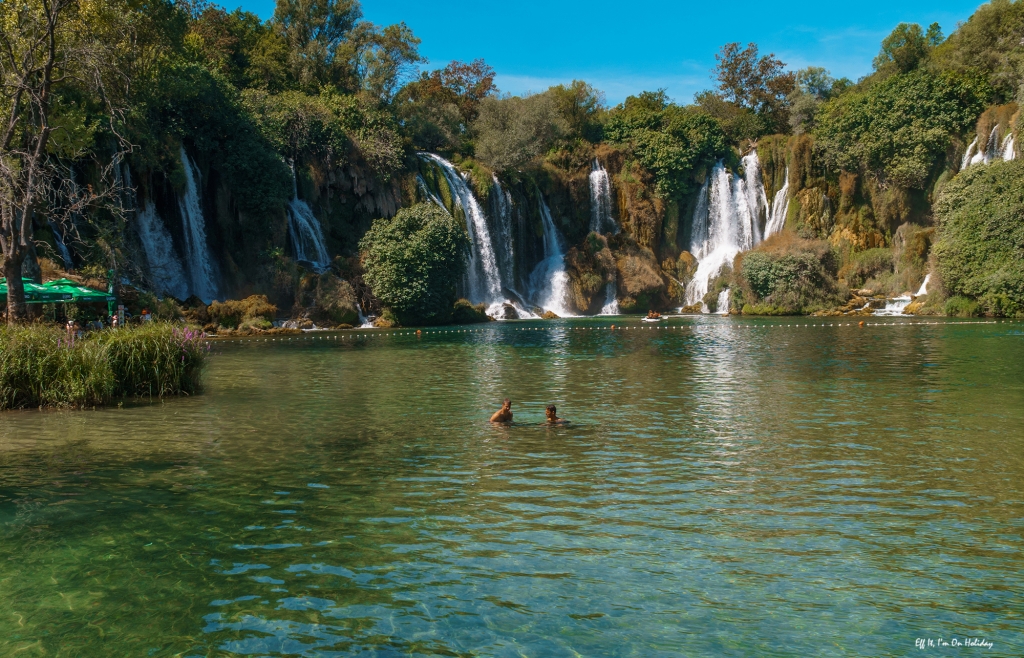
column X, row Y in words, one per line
column 726, row 487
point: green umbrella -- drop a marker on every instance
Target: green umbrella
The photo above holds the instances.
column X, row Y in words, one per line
column 35, row 293
column 78, row 293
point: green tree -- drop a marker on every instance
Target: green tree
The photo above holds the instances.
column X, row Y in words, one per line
column 438, row 109
column 414, row 261
column 580, row 106
column 670, row 141
column 759, row 84
column 512, row 131
column 905, row 48
column 900, row 128
column 981, row 236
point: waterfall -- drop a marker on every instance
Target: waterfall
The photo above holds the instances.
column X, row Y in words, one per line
column 197, row 252
column 968, row 154
column 549, row 282
column 483, row 276
column 62, row 248
column 780, row 207
column 165, row 270
column 724, row 224
column 993, row 150
column 923, row 290
column 723, row 302
column 1008, row 151
column 503, row 221
column 611, row 304
column 894, row 306
column 753, row 189
column 305, row 231
column 600, row 199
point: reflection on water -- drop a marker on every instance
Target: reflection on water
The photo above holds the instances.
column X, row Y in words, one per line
column 726, row 487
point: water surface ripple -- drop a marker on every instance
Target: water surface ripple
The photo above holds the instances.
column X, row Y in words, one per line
column 726, row 487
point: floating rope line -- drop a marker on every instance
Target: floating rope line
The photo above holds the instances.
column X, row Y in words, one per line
column 809, row 325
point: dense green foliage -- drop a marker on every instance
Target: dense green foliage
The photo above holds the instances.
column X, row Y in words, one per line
column 41, row 367
column 901, row 127
column 414, row 261
column 672, row 142
column 981, row 237
column 788, row 275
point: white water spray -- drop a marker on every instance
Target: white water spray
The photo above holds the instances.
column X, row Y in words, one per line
column 197, row 252
column 611, row 304
column 305, row 231
column 600, row 200
column 923, row 290
column 723, row 302
column 549, row 282
column 165, row 269
column 724, row 224
column 483, row 276
column 779, row 209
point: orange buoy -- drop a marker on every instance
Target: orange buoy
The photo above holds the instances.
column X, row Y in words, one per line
column 861, row 323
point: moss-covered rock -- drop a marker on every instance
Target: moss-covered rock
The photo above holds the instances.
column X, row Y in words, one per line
column 639, row 281
column 465, row 312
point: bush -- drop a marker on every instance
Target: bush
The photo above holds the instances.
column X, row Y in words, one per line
column 962, row 307
column 413, row 262
column 790, row 275
column 230, row 314
column 981, row 236
column 40, row 367
column 862, row 266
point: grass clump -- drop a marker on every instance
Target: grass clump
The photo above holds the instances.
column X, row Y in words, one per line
column 41, row 367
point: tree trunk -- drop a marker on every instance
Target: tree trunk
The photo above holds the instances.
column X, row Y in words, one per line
column 17, row 311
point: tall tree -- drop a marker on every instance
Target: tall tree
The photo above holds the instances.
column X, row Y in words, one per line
column 760, row 84
column 47, row 47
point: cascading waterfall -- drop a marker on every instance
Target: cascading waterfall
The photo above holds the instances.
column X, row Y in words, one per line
column 923, row 290
column 65, row 254
column 1008, row 151
column 503, row 221
column 305, row 231
column 724, row 224
column 753, row 189
column 994, row 150
column 779, row 209
column 549, row 282
column 197, row 252
column 600, row 200
column 484, row 278
column 723, row 302
column 165, row 269
column 611, row 303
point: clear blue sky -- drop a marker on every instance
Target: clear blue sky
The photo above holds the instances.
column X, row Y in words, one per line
column 626, row 47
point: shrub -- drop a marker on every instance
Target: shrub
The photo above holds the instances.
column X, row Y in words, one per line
column 962, row 307
column 862, row 266
column 981, row 236
column 413, row 262
column 231, row 313
column 790, row 274
column 40, row 367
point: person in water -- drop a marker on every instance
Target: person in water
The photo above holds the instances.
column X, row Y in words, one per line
column 552, row 414
column 503, row 415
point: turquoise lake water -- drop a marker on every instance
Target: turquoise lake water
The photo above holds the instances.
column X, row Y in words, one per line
column 727, row 487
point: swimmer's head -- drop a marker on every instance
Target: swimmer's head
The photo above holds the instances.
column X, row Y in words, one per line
column 551, row 411
column 508, row 403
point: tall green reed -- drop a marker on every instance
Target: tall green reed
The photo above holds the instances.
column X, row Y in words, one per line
column 41, row 367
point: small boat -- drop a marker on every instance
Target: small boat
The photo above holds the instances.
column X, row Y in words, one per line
column 658, row 319
column 653, row 316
